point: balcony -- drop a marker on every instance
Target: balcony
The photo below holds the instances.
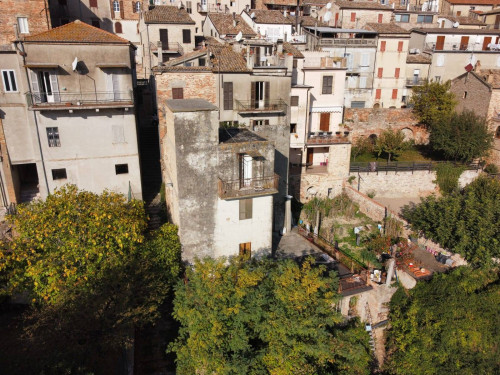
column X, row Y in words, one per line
column 345, row 42
column 431, row 47
column 79, row 100
column 327, row 138
column 171, row 47
column 415, row 81
column 248, row 187
column 211, row 8
column 271, row 106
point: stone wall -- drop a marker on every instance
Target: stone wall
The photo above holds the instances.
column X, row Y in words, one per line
column 366, row 121
column 368, row 206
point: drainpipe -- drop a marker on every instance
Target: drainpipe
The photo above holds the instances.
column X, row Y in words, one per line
column 23, row 54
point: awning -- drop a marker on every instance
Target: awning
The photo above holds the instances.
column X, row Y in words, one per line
column 41, row 65
column 335, row 109
column 254, row 154
column 111, row 65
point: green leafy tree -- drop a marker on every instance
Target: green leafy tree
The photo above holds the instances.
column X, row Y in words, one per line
column 447, row 176
column 433, row 102
column 462, row 137
column 362, row 145
column 264, row 317
column 465, row 222
column 449, row 325
column 391, row 143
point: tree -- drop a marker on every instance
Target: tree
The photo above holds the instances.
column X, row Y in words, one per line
column 461, row 137
column 465, row 222
column 449, row 325
column 391, row 143
column 432, row 102
column 362, row 145
column 264, row 317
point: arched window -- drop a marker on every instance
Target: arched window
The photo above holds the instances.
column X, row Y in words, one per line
column 138, row 7
column 118, row 28
column 116, row 6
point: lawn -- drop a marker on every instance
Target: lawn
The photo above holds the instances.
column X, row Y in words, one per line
column 415, row 153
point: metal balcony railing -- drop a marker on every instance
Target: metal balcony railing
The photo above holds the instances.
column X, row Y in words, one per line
column 212, row 8
column 171, row 47
column 455, row 47
column 325, row 138
column 344, row 42
column 246, row 187
column 70, row 99
column 415, row 81
column 261, row 106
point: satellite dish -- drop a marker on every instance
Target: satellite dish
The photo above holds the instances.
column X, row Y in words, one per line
column 239, row 36
column 252, row 16
column 456, row 24
column 75, row 64
column 327, row 17
column 328, row 6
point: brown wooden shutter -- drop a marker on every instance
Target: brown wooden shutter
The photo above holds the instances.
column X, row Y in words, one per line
column 252, row 94
column 327, row 85
column 112, row 9
column 486, row 41
column 93, row 4
column 177, row 93
column 267, row 92
column 440, row 42
column 133, row 7
column 122, row 11
column 324, row 122
column 464, row 42
column 266, row 122
column 228, row 96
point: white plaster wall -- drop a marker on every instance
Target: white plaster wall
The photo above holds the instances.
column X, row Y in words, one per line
column 130, row 30
column 298, row 116
column 18, row 134
column 230, row 231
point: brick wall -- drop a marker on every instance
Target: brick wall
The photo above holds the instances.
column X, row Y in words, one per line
column 38, row 18
column 367, row 121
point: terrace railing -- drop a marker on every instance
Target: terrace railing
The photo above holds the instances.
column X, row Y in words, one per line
column 248, row 187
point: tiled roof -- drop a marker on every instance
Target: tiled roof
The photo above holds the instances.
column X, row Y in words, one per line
column 223, row 23
column 307, row 21
column 465, row 20
column 269, row 16
column 418, row 59
column 288, row 48
column 210, row 40
column 458, row 31
column 182, row 68
column 387, row 28
column 186, row 57
column 361, row 5
column 315, row 2
column 225, row 59
column 473, row 2
column 493, row 11
column 76, row 32
column 168, row 14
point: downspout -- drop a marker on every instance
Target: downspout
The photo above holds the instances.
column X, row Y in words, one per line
column 46, row 14
column 23, row 54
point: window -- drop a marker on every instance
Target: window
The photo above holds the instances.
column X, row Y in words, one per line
column 294, row 101
column 116, row 6
column 437, row 79
column 402, row 18
column 400, row 46
column 459, row 13
column 178, row 93
column 137, row 7
column 294, row 63
column 246, row 208
column 22, row 23
column 362, row 82
column 202, row 61
column 357, row 104
column 378, row 93
column 228, row 96
column 59, row 174
column 9, row 81
column 465, row 95
column 365, row 59
column 293, row 128
column 382, row 46
column 327, row 85
column 246, row 250
column 96, row 23
column 396, row 73
column 121, row 168
column 394, row 93
column 380, row 72
column 189, row 7
column 53, row 137
column 353, row 17
column 421, row 18
column 93, row 3
column 380, row 18
column 118, row 28
column 186, row 36
column 232, row 3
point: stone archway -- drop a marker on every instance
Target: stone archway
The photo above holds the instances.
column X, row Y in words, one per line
column 373, row 138
column 408, row 133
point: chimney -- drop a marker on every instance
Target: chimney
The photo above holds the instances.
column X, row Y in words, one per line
column 234, row 19
column 247, row 8
column 279, row 46
column 477, row 67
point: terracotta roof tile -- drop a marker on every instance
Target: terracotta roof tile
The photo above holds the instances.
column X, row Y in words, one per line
column 288, row 48
column 186, row 57
column 307, row 21
column 418, row 59
column 458, row 31
column 387, row 28
column 76, row 32
column 361, row 5
column 168, row 14
column 225, row 59
column 223, row 23
column 473, row 2
column 269, row 16
column 464, row 20
column 210, row 40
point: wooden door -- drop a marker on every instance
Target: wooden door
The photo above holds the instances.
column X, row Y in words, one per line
column 324, row 122
column 246, row 250
column 440, row 42
column 164, row 38
column 487, row 40
column 310, row 156
column 464, row 43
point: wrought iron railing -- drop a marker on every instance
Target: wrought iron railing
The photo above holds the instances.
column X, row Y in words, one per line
column 266, row 105
column 324, row 137
column 172, row 47
column 212, row 8
column 78, row 98
column 415, row 81
column 348, row 42
column 248, row 186
column 455, row 47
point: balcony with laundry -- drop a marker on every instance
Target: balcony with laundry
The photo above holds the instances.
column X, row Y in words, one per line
column 246, row 165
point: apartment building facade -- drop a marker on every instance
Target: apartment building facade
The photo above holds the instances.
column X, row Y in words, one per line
column 69, row 113
column 355, row 14
column 466, row 7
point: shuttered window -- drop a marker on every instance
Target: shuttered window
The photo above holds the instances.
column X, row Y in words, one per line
column 395, row 93
column 93, row 3
column 178, row 93
column 327, row 85
column 382, row 46
column 380, row 72
column 228, row 96
column 400, row 46
column 396, row 72
column 186, row 36
column 246, row 250
column 294, row 101
column 353, row 17
column 378, row 93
